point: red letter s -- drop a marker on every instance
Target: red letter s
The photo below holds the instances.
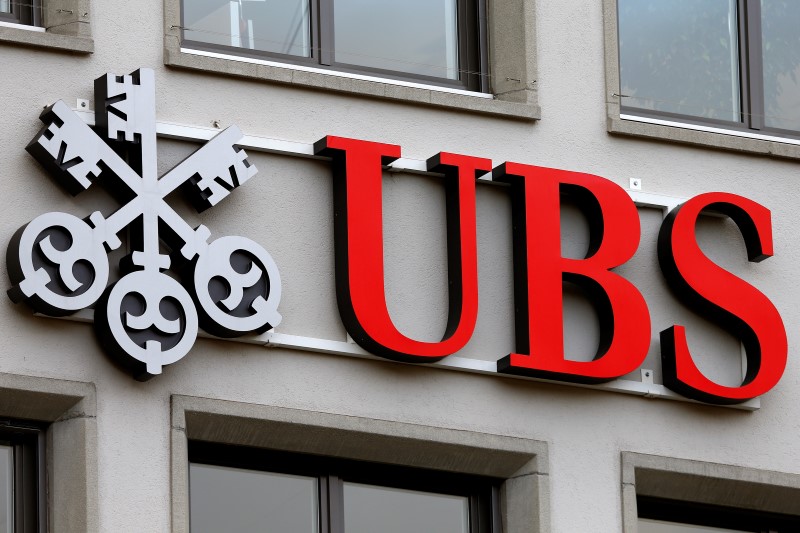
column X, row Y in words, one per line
column 722, row 297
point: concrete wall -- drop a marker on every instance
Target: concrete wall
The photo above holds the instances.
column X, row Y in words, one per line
column 287, row 208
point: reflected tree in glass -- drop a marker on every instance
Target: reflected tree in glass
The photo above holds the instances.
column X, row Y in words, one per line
column 780, row 28
column 276, row 26
column 680, row 56
column 414, row 36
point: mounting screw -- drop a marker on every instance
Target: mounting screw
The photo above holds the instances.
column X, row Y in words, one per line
column 83, row 105
column 636, row 184
column 216, row 124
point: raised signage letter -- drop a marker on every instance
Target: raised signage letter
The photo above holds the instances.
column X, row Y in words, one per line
column 358, row 231
column 540, row 269
column 722, row 297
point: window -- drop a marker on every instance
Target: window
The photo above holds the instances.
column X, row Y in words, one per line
column 339, row 467
column 28, row 12
column 475, row 56
column 233, row 487
column 721, row 73
column 22, row 496
column 66, row 425
column 59, row 25
column 436, row 42
column 668, row 495
column 669, row 516
column 725, row 62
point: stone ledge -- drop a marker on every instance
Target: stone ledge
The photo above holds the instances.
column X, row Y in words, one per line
column 51, row 41
column 721, row 141
column 526, row 111
column 707, row 483
column 523, row 463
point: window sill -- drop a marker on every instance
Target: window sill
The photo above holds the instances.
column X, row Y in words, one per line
column 40, row 38
column 720, row 138
column 411, row 93
column 21, row 26
column 338, row 74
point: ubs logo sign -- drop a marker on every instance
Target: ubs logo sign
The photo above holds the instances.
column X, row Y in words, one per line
column 58, row 263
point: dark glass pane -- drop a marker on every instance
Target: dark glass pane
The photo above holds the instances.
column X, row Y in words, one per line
column 658, row 526
column 248, row 501
column 680, row 56
column 372, row 509
column 414, row 36
column 6, row 489
column 780, row 27
column 278, row 26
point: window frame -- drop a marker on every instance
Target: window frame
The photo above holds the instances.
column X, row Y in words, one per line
column 690, row 513
column 472, row 55
column 711, row 486
column 28, row 13
column 66, row 412
column 520, row 463
column 751, row 81
column 61, row 26
column 331, row 473
column 27, row 439
column 510, row 56
column 683, row 129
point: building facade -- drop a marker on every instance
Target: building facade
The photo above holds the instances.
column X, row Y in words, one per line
column 344, row 389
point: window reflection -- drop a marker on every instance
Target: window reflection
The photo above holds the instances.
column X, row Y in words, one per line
column 276, row 26
column 780, row 45
column 272, row 491
column 234, row 500
column 415, row 36
column 680, row 56
column 371, row 509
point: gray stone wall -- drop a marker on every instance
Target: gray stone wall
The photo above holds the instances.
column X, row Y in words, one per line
column 287, row 208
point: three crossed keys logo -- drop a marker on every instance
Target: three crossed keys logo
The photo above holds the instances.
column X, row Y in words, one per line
column 58, row 263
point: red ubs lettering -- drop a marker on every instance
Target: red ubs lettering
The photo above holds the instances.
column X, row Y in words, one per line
column 540, row 270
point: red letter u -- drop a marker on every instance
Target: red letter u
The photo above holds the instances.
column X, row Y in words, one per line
column 358, row 233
